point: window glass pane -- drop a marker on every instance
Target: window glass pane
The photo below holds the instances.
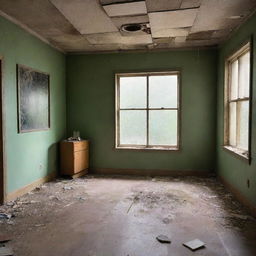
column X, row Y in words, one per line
column 243, row 121
column 163, row 127
column 163, row 91
column 232, row 124
column 133, row 127
column 234, row 80
column 244, row 75
column 133, row 92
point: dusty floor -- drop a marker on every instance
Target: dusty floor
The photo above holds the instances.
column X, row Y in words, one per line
column 121, row 216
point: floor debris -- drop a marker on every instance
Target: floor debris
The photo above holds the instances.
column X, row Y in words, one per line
column 11, row 203
column 81, row 198
column 194, row 244
column 67, row 188
column 163, row 239
column 166, row 220
column 239, row 216
column 5, row 216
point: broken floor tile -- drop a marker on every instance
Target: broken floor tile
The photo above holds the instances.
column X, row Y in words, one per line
column 5, row 251
column 194, row 244
column 163, row 239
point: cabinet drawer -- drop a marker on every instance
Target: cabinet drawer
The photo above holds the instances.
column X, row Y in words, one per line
column 80, row 145
column 81, row 160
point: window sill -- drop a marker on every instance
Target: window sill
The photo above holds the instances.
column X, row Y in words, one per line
column 242, row 154
column 147, row 148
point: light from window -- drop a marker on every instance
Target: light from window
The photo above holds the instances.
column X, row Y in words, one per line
column 238, row 101
column 147, row 110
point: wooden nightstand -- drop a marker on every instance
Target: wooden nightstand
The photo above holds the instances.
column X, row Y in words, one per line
column 74, row 158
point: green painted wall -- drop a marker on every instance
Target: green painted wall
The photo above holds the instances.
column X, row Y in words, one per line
column 91, row 107
column 26, row 152
column 235, row 170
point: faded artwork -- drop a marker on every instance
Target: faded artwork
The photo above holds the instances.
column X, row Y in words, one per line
column 33, row 95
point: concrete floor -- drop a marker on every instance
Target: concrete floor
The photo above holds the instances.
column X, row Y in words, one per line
column 121, row 216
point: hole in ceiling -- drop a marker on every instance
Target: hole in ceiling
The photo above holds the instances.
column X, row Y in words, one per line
column 132, row 27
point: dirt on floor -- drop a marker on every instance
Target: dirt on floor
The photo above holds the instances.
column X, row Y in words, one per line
column 159, row 201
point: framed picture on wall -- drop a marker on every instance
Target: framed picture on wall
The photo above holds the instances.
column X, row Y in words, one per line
column 33, row 89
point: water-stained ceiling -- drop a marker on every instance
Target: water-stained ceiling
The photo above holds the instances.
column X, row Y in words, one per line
column 120, row 25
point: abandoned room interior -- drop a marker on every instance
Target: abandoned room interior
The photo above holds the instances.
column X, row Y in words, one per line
column 128, row 128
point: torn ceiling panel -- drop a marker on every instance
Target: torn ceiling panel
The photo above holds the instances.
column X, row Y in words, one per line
column 190, row 4
column 70, row 42
column 165, row 21
column 180, row 39
column 170, row 32
column 117, row 38
column 163, row 5
column 86, row 16
column 96, row 48
column 133, row 47
column 119, row 21
column 196, row 43
column 221, row 33
column 164, row 40
column 41, row 16
column 216, row 15
column 125, row 9
column 202, row 35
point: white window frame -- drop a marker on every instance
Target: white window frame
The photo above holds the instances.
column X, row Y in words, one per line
column 117, row 112
column 245, row 154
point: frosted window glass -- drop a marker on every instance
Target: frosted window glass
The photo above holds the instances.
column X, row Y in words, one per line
column 234, row 80
column 232, row 124
column 244, row 125
column 133, row 127
column 244, row 75
column 133, row 92
column 163, row 127
column 163, row 91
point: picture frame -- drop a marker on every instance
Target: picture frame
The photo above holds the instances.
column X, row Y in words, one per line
column 33, row 99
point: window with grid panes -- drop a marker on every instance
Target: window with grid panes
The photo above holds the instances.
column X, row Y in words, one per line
column 147, row 110
column 237, row 104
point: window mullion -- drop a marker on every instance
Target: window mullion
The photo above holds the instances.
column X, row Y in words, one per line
column 238, row 77
column 237, row 123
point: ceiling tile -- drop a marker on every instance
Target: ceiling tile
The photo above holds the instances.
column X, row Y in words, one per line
column 170, row 32
column 165, row 23
column 163, row 40
column 70, row 42
column 40, row 16
column 202, row 35
column 162, row 5
column 180, row 39
column 117, row 38
column 215, row 15
column 115, row 1
column 221, row 33
column 85, row 15
column 190, row 3
column 125, row 9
